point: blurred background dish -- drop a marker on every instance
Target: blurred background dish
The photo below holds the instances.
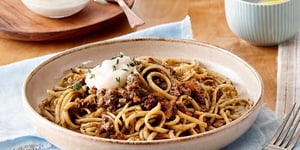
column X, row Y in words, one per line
column 29, row 26
column 55, row 8
column 263, row 24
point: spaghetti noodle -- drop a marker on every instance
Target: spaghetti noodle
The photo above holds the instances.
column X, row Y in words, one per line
column 161, row 99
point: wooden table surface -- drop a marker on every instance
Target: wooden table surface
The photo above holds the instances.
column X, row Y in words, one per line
column 208, row 25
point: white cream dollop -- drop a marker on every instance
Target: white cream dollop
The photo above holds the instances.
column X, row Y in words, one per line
column 110, row 74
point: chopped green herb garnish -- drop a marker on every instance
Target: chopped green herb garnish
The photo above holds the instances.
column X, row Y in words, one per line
column 114, row 67
column 90, row 73
column 121, row 55
column 92, row 76
column 134, row 62
column 118, row 79
column 124, row 69
column 76, row 86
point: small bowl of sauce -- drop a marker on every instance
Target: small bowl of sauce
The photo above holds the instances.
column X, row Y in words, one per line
column 55, row 8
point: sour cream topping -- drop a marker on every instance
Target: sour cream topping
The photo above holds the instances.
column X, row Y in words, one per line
column 111, row 73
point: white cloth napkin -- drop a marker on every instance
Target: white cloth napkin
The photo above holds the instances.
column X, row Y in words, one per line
column 288, row 76
column 16, row 132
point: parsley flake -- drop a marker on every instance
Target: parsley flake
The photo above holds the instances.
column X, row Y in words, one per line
column 118, row 79
column 76, row 86
column 124, row 69
column 114, row 67
column 121, row 55
column 92, row 76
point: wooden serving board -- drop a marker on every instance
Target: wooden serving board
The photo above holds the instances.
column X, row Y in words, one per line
column 19, row 23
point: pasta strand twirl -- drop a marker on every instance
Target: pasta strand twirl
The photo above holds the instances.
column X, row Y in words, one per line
column 161, row 99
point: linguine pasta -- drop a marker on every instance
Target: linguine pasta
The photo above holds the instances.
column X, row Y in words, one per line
column 161, row 99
